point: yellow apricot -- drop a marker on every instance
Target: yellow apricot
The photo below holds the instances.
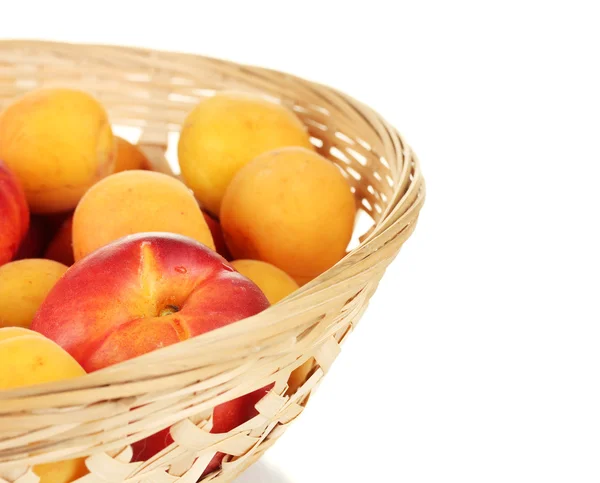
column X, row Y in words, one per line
column 24, row 285
column 274, row 282
column 29, row 358
column 292, row 208
column 129, row 156
column 299, row 375
column 135, row 202
column 225, row 132
column 11, row 332
column 61, row 471
column 59, row 143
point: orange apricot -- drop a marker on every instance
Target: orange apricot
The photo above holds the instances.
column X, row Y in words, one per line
column 292, row 208
column 225, row 132
column 129, row 156
column 135, row 202
column 24, row 285
column 274, row 282
column 299, row 376
column 58, row 142
column 29, row 358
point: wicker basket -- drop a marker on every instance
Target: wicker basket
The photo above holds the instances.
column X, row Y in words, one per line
column 102, row 413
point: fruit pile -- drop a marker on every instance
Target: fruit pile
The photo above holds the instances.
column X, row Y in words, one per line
column 103, row 259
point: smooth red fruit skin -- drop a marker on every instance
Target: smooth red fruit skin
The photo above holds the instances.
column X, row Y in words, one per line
column 60, row 247
column 232, row 414
column 36, row 240
column 226, row 417
column 14, row 214
column 217, row 234
column 104, row 310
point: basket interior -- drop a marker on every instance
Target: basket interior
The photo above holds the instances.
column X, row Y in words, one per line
column 148, row 104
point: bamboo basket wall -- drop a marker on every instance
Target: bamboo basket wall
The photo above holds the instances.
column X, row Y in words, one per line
column 101, row 414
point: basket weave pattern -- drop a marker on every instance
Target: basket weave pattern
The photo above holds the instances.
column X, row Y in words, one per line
column 102, row 413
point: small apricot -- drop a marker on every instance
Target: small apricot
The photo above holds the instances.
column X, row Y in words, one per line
column 135, row 202
column 58, row 142
column 292, row 208
column 24, row 284
column 29, row 358
column 299, row 376
column 274, row 282
column 227, row 131
column 129, row 156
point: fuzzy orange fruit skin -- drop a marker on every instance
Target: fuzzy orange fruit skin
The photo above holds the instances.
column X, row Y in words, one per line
column 58, row 142
column 276, row 285
column 136, row 202
column 129, row 156
column 119, row 303
column 274, row 282
column 24, row 284
column 224, row 133
column 29, row 358
column 14, row 214
column 291, row 208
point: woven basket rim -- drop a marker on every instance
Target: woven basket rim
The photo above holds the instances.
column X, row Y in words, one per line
column 386, row 225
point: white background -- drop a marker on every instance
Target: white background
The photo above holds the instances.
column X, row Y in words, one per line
column 478, row 360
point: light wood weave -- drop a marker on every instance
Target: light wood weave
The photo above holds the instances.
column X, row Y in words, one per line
column 102, row 413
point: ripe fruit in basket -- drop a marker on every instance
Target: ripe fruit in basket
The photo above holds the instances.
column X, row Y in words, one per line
column 60, row 248
column 136, row 202
column 226, row 416
column 274, row 282
column 129, row 156
column 59, row 143
column 276, row 285
column 292, row 208
column 225, row 132
column 141, row 293
column 217, row 235
column 14, row 214
column 299, row 376
column 24, row 285
column 29, row 358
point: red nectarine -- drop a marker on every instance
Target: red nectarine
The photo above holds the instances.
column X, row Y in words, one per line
column 217, row 234
column 143, row 292
column 140, row 293
column 14, row 214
